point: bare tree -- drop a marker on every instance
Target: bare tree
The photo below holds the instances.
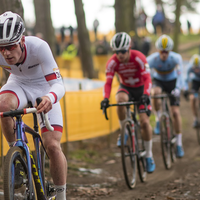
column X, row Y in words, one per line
column 84, row 41
column 16, row 7
column 12, row 5
column 177, row 24
column 44, row 23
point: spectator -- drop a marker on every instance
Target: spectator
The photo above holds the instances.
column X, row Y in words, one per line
column 158, row 20
column 189, row 26
column 95, row 26
column 71, row 30
column 62, row 33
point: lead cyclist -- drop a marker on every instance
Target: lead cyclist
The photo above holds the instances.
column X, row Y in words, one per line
column 33, row 73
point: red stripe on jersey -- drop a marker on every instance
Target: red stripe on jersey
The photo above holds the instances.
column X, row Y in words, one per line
column 55, row 96
column 50, row 77
column 122, row 90
column 9, row 91
column 56, row 128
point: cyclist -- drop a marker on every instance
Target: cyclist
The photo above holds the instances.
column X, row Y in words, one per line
column 193, row 75
column 33, row 73
column 167, row 77
column 135, row 82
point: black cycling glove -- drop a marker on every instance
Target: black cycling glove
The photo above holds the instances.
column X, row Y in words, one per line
column 105, row 103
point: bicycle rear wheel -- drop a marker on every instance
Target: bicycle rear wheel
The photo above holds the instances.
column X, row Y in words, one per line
column 165, row 141
column 141, row 162
column 129, row 160
column 173, row 143
column 13, row 191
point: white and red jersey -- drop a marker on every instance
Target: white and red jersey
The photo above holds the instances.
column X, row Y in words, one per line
column 134, row 73
column 38, row 66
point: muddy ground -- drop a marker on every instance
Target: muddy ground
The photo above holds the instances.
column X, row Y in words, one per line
column 104, row 179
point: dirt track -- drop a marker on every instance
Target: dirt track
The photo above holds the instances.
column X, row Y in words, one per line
column 180, row 182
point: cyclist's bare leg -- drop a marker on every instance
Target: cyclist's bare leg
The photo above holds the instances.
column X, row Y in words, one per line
column 58, row 163
column 193, row 102
column 8, row 102
column 146, row 129
column 177, row 118
column 156, row 103
column 121, row 110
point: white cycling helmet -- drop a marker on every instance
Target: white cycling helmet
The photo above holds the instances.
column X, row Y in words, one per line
column 120, row 41
column 164, row 43
column 11, row 28
column 195, row 60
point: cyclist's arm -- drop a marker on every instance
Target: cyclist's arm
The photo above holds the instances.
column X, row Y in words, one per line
column 110, row 72
column 151, row 61
column 51, row 73
column 187, row 78
column 145, row 73
column 179, row 69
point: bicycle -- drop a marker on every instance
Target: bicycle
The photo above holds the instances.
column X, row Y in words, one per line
column 167, row 136
column 133, row 152
column 197, row 106
column 32, row 185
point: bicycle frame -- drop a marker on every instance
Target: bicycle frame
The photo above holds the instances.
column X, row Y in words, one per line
column 34, row 170
column 21, row 141
column 165, row 109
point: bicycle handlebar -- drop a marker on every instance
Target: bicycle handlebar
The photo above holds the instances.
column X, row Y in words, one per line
column 121, row 104
column 14, row 113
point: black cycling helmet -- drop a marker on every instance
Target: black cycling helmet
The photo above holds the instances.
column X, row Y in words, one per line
column 11, row 28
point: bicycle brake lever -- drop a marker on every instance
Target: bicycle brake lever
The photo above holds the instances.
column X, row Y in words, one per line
column 44, row 117
column 105, row 113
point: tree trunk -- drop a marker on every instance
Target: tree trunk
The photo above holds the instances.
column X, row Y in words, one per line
column 122, row 16
column 44, row 23
column 16, row 7
column 84, row 41
column 177, row 24
column 12, row 5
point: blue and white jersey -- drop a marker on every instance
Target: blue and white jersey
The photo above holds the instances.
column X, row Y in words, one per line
column 193, row 73
column 167, row 70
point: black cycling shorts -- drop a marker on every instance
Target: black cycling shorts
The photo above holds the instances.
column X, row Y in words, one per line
column 195, row 85
column 168, row 86
column 135, row 95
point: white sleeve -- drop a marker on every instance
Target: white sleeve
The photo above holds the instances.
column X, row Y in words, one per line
column 51, row 73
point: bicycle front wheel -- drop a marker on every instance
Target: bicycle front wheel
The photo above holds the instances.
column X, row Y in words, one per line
column 141, row 155
column 165, row 141
column 129, row 159
column 16, row 182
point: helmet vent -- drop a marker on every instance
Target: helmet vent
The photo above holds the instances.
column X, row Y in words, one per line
column 1, row 31
column 9, row 27
column 118, row 40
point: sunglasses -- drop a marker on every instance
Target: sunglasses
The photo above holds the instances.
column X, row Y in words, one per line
column 9, row 48
column 162, row 52
column 121, row 51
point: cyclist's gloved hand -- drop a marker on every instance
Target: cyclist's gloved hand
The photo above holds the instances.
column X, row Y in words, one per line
column 105, row 103
column 176, row 92
column 186, row 94
column 145, row 99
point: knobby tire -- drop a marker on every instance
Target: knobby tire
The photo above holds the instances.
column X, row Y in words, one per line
column 21, row 193
column 129, row 159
